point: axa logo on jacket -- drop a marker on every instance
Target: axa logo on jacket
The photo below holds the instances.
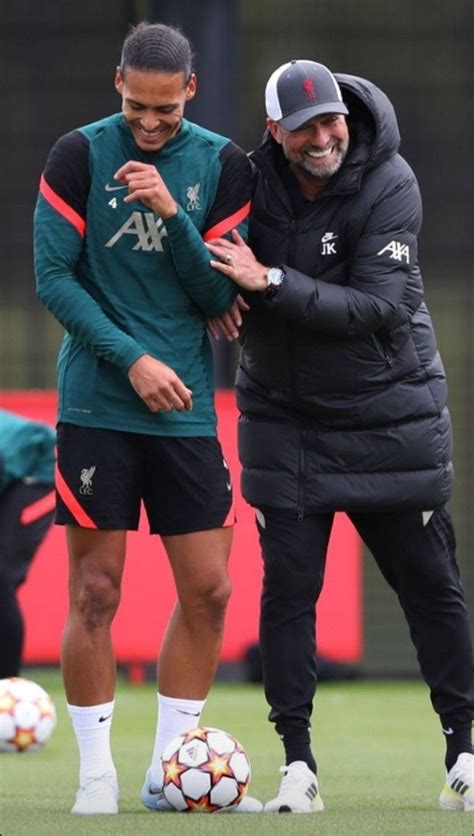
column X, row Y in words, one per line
column 397, row 250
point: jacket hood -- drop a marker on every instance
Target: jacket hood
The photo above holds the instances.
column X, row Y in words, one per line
column 361, row 95
column 372, row 125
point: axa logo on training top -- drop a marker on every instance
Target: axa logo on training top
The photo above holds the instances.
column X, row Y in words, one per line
column 86, row 479
column 147, row 229
column 398, row 251
column 328, row 245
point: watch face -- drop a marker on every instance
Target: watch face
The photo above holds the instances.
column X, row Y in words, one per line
column 275, row 276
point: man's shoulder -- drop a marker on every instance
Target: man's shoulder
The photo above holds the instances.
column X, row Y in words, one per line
column 390, row 174
column 215, row 142
column 109, row 123
column 80, row 138
column 18, row 431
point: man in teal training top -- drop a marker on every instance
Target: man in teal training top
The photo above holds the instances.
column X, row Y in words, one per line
column 125, row 207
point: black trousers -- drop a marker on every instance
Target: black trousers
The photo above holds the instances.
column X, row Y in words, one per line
column 19, row 541
column 417, row 560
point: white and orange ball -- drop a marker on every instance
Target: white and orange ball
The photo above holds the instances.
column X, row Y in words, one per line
column 205, row 770
column 27, row 715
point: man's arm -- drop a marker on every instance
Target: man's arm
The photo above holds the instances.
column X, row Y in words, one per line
column 230, row 209
column 60, row 226
column 208, row 289
column 384, row 257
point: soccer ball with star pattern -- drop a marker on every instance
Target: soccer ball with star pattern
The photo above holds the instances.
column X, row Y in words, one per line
column 27, row 715
column 205, row 770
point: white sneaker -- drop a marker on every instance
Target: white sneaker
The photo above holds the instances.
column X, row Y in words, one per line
column 298, row 793
column 97, row 796
column 458, row 791
column 152, row 796
column 247, row 805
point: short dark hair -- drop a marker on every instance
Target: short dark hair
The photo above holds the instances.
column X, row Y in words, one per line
column 156, row 47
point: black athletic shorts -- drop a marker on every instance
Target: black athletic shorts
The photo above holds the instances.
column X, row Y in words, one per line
column 104, row 475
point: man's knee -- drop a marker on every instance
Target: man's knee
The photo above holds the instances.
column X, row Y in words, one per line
column 96, row 565
column 95, row 597
column 209, row 599
column 219, row 594
column 281, row 582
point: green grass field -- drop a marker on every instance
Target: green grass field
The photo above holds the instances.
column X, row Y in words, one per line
column 379, row 749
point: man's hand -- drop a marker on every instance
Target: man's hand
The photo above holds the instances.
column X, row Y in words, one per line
column 238, row 262
column 159, row 386
column 227, row 324
column 146, row 184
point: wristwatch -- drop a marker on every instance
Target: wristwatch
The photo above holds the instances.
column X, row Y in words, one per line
column 274, row 277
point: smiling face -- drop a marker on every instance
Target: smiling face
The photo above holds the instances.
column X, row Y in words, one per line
column 317, row 148
column 153, row 104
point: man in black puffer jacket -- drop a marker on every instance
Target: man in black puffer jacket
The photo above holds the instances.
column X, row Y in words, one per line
column 342, row 395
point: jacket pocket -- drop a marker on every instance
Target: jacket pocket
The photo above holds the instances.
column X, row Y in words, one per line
column 382, row 347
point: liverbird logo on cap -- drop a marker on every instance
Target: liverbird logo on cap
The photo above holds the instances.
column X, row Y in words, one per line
column 309, row 89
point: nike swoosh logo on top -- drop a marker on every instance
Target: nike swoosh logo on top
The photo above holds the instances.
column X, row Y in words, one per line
column 448, row 731
column 114, row 188
column 191, row 713
column 103, row 719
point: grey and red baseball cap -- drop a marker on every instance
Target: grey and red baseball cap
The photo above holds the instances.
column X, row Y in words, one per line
column 299, row 90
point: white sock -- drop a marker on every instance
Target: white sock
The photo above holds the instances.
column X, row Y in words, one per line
column 175, row 716
column 91, row 726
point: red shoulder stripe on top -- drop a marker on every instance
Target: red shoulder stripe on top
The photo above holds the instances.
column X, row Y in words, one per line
column 62, row 207
column 220, row 229
column 71, row 502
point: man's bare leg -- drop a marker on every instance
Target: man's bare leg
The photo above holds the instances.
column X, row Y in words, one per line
column 96, row 561
column 191, row 646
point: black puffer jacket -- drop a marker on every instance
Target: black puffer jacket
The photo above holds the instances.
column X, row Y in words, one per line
column 340, row 384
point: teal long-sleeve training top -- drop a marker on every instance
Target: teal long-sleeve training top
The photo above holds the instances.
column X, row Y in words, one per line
column 123, row 282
